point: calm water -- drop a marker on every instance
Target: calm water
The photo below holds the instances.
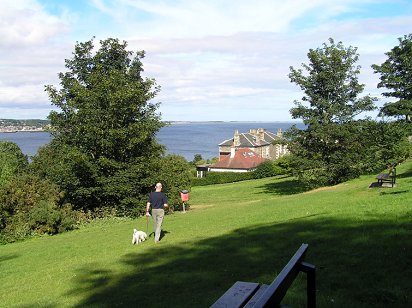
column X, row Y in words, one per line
column 185, row 139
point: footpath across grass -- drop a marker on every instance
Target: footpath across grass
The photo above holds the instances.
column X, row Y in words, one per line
column 360, row 240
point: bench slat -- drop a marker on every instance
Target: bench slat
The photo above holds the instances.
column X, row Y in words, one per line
column 382, row 176
column 237, row 295
column 257, row 295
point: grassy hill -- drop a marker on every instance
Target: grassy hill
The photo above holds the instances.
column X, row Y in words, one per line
column 359, row 239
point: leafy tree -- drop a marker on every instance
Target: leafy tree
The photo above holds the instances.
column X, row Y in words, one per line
column 264, row 170
column 106, row 126
column 12, row 161
column 30, row 205
column 73, row 171
column 104, row 102
column 197, row 158
column 327, row 151
column 174, row 173
column 383, row 143
column 396, row 77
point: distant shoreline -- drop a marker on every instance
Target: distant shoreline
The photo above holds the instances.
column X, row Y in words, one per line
column 185, row 138
column 12, row 131
column 214, row 122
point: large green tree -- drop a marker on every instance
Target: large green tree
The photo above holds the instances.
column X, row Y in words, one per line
column 396, row 77
column 12, row 161
column 328, row 150
column 104, row 128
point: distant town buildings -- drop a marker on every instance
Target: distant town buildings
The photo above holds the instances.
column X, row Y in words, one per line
column 13, row 126
column 15, row 129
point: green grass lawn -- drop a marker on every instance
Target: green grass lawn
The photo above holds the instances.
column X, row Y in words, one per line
column 360, row 241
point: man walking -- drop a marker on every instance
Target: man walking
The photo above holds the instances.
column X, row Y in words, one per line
column 158, row 202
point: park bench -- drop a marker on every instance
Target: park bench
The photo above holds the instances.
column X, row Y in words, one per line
column 252, row 294
column 389, row 177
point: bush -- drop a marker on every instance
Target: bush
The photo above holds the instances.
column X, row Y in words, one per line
column 222, row 177
column 70, row 169
column 385, row 143
column 29, row 206
column 174, row 173
column 12, row 161
column 50, row 219
column 267, row 169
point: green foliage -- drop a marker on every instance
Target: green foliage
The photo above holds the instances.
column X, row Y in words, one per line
column 328, row 157
column 104, row 103
column 283, row 165
column 396, row 77
column 330, row 149
column 51, row 219
column 12, row 161
column 384, row 143
column 331, row 86
column 221, row 178
column 73, row 171
column 361, row 147
column 173, row 171
column 30, row 205
column 104, row 148
column 264, row 170
column 197, row 158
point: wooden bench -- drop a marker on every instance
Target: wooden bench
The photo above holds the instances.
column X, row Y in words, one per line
column 389, row 177
column 252, row 294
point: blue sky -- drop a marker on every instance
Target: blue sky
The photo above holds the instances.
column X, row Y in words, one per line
column 225, row 60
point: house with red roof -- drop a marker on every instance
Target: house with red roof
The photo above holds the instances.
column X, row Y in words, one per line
column 245, row 151
column 264, row 143
column 239, row 160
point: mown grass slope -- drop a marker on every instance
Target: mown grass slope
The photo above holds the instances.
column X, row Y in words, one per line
column 360, row 240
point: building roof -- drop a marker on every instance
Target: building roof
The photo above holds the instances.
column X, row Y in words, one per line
column 248, row 140
column 243, row 159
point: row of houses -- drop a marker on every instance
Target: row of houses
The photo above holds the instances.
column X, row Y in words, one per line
column 245, row 151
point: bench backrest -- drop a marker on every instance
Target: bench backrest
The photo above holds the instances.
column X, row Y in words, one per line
column 275, row 292
column 392, row 167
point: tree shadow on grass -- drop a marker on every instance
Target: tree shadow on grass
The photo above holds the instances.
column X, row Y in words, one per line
column 288, row 186
column 8, row 257
column 359, row 264
column 394, row 192
column 404, row 175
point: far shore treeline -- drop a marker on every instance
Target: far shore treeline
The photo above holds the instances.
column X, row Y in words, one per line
column 104, row 157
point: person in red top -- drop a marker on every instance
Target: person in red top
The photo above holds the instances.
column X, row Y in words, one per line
column 158, row 202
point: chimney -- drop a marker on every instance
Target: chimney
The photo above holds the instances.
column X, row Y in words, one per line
column 232, row 152
column 236, row 139
column 279, row 134
column 260, row 134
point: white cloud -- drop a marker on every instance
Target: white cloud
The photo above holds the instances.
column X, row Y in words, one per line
column 224, row 60
column 31, row 55
column 198, row 18
column 24, row 22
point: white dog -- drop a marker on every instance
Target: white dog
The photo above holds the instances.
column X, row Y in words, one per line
column 138, row 236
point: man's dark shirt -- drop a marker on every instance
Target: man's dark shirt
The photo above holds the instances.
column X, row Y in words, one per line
column 157, row 199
